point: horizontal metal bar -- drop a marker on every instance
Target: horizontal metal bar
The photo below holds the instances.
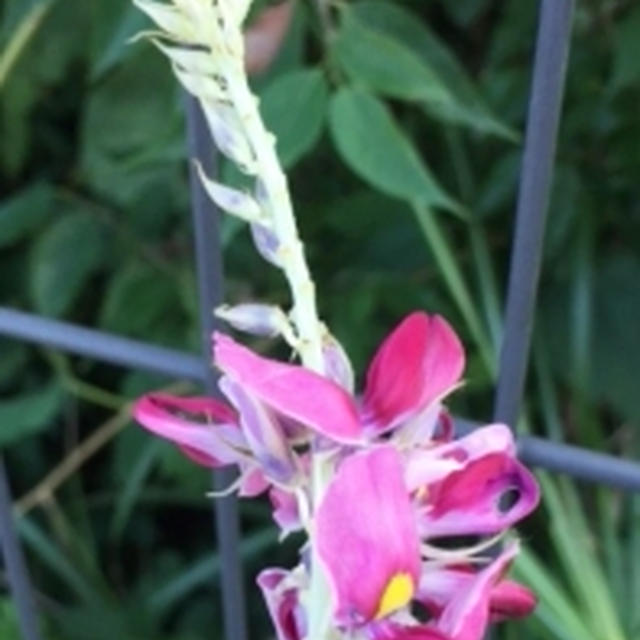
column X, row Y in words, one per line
column 100, row 345
column 575, row 461
column 592, row 466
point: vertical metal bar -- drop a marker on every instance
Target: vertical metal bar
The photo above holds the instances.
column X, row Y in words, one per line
column 15, row 564
column 552, row 51
column 209, row 268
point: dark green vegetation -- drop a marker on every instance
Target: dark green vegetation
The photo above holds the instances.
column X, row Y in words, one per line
column 402, row 135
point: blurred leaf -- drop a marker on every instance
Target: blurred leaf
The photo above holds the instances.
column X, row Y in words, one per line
column 616, row 340
column 392, row 51
column 20, row 37
column 28, row 414
column 204, row 569
column 626, row 71
column 14, row 356
column 137, row 301
column 57, row 561
column 293, row 108
column 24, row 212
column 375, row 148
column 67, row 254
column 132, row 127
column 115, row 23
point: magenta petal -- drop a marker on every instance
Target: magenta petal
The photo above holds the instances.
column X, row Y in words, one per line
column 468, row 502
column 253, row 483
column 466, row 616
column 510, row 599
column 285, row 510
column 392, row 631
column 203, row 428
column 366, row 511
column 431, row 464
column 294, row 391
column 419, row 362
column 507, row 599
column 283, row 603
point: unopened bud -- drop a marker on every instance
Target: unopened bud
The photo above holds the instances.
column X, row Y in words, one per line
column 337, row 366
column 257, row 319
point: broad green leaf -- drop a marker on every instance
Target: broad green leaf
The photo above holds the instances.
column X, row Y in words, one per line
column 28, row 414
column 293, row 108
column 392, row 51
column 67, row 254
column 24, row 212
column 142, row 301
column 386, row 65
column 374, row 147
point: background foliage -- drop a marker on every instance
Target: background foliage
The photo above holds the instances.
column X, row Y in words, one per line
column 401, row 125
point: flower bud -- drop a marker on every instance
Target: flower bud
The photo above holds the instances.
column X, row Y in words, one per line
column 257, row 319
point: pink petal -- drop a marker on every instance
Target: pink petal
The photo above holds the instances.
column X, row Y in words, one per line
column 285, row 510
column 253, row 483
column 365, row 534
column 203, row 428
column 418, row 363
column 294, row 391
column 511, row 600
column 283, row 604
column 392, row 631
column 430, row 464
column 467, row 502
column 466, row 616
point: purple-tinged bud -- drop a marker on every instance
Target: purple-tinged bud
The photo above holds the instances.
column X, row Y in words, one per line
column 337, row 366
column 266, row 243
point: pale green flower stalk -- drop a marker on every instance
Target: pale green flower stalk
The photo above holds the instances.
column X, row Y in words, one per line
column 204, row 42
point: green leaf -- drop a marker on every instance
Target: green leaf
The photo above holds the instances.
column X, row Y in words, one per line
column 374, row 147
column 65, row 257
column 115, row 22
column 28, row 414
column 626, row 70
column 386, row 65
column 23, row 213
column 294, row 108
column 392, row 51
column 140, row 301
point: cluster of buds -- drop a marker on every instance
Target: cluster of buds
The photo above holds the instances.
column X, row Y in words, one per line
column 376, row 480
column 396, row 484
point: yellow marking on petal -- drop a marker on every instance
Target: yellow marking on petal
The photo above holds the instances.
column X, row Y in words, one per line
column 422, row 493
column 397, row 594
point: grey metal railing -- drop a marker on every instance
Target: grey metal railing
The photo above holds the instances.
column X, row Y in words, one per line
column 551, row 56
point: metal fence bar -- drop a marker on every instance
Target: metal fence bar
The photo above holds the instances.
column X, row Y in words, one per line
column 552, row 51
column 209, row 271
column 100, row 345
column 18, row 576
column 585, row 464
